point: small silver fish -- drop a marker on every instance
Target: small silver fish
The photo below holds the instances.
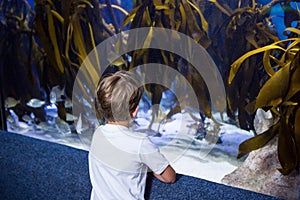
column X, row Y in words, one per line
column 21, row 128
column 68, row 103
column 14, row 116
column 35, row 103
column 70, row 117
column 27, row 119
column 10, row 102
column 62, row 126
column 10, row 119
column 46, row 127
column 80, row 128
column 32, row 116
column 57, row 94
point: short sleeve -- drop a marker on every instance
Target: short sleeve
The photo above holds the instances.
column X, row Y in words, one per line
column 150, row 156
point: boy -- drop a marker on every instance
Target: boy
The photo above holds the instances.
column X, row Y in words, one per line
column 119, row 159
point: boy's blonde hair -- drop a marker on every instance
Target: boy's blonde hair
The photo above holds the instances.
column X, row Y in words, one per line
column 118, row 95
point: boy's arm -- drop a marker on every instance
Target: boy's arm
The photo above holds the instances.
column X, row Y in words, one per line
column 167, row 176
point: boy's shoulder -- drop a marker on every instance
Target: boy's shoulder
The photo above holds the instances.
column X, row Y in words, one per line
column 119, row 134
column 120, row 141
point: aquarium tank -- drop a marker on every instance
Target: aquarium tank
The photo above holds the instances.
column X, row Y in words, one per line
column 220, row 74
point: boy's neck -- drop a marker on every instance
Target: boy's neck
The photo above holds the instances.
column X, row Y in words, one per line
column 122, row 123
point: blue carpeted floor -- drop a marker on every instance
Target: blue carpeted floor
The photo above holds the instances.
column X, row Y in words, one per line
column 35, row 169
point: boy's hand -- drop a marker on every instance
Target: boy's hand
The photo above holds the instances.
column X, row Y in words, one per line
column 167, row 176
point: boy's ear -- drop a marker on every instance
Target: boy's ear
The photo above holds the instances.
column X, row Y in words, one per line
column 134, row 113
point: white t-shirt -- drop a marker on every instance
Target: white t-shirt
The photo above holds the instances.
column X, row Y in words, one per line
column 119, row 160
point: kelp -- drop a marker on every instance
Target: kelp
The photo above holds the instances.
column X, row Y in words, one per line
column 257, row 142
column 18, row 55
column 281, row 95
column 261, row 72
column 244, row 29
column 183, row 16
column 180, row 16
column 61, row 35
column 68, row 31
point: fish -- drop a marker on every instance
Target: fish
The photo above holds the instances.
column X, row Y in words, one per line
column 62, row 126
column 68, row 103
column 35, row 103
column 21, row 127
column 70, row 117
column 10, row 119
column 79, row 125
column 10, row 102
column 46, row 127
column 57, row 94
column 14, row 116
column 27, row 119
column 32, row 116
